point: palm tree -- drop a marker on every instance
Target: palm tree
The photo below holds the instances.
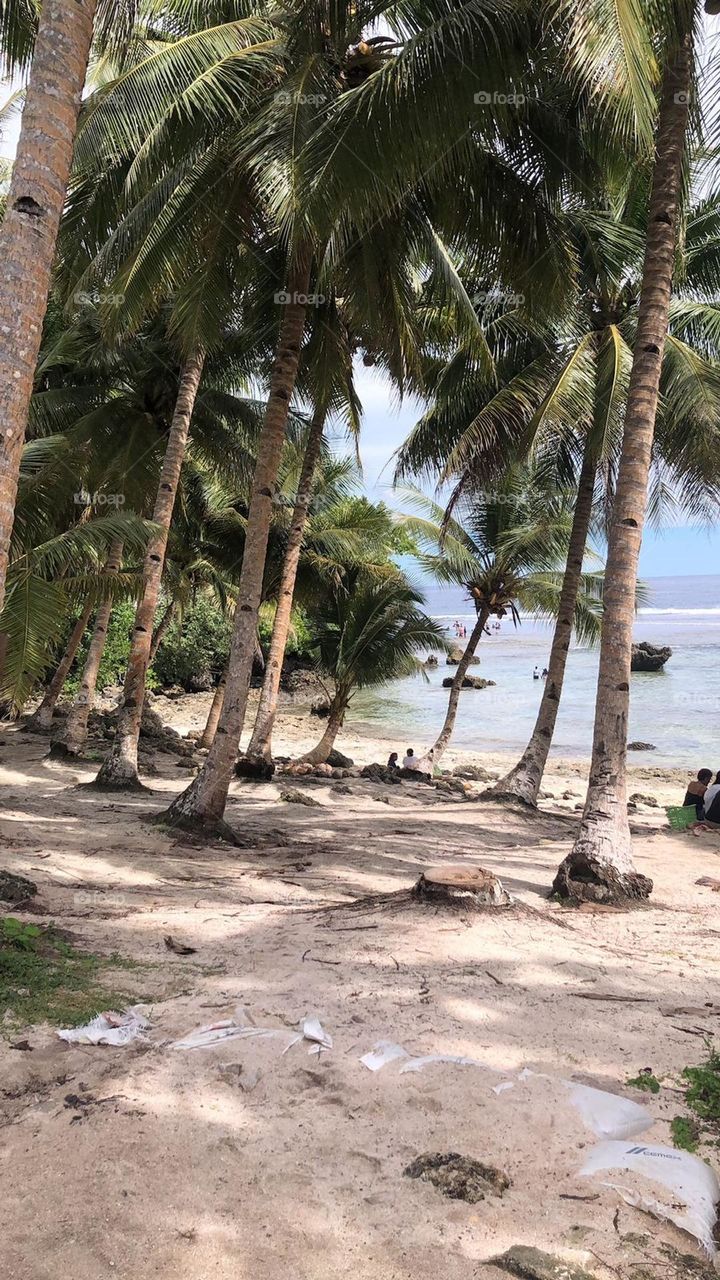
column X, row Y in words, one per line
column 505, row 547
column 34, row 205
column 568, row 385
column 370, row 631
column 600, row 864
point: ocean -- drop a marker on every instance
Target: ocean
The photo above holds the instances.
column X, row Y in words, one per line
column 676, row 709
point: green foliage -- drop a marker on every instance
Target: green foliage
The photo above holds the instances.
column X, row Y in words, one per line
column 685, row 1133
column 299, row 642
column 196, row 644
column 45, row 979
column 115, row 654
column 703, row 1092
column 649, row 1083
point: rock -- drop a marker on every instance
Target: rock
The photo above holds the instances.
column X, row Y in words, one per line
column 379, row 773
column 469, row 682
column 458, row 1177
column 291, row 796
column 472, row 773
column 527, row 1263
column 323, row 771
column 413, row 775
column 472, row 888
column 456, row 654
column 16, row 889
column 641, row 746
column 337, row 760
column 320, row 708
column 649, row 657
column 201, row 682
column 343, row 789
column 453, row 785
column 256, row 768
column 431, row 660
column 638, row 797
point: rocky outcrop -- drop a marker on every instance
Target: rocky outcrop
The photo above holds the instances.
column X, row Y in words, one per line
column 469, row 682
column 641, row 746
column 337, row 760
column 456, row 654
column 649, row 657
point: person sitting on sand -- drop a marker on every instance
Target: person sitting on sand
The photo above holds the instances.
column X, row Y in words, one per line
column 393, row 761
column 697, row 791
column 410, row 761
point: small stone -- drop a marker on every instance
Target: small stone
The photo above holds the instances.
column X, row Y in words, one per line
column 458, row 1177
column 16, row 888
column 639, row 797
column 292, row 796
column 527, row 1263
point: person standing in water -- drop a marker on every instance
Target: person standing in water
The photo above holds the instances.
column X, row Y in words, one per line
column 536, row 673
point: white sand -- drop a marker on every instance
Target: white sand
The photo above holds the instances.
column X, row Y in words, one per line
column 184, row 1174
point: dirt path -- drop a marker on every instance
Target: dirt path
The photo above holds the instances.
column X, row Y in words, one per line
column 241, row 1161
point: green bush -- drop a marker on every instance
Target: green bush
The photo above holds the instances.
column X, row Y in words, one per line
column 299, row 639
column 196, row 645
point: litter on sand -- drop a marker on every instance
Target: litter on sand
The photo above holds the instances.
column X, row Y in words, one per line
column 312, row 1029
column 608, row 1115
column 693, row 1185
column 108, row 1028
column 239, row 1029
column 381, row 1053
column 419, row 1064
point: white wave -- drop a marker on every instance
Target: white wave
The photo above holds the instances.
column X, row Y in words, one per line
column 710, row 612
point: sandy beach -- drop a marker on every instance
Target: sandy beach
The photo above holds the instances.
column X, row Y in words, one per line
column 240, row 1159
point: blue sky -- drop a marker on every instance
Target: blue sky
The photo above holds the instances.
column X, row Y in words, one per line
column 679, row 550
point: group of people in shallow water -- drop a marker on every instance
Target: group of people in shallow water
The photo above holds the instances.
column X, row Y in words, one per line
column 704, row 794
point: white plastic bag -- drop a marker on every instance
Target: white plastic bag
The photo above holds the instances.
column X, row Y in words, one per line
column 381, row 1053
column 419, row 1064
column 608, row 1115
column 108, row 1028
column 693, row 1186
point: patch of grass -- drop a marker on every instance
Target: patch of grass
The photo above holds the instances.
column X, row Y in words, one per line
column 649, row 1083
column 703, row 1092
column 45, row 979
column 685, row 1133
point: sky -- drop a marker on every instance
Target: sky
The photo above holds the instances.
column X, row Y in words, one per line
column 670, row 552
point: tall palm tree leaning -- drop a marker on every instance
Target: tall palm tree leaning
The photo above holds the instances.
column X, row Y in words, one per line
column 260, row 744
column 505, row 549
column 119, row 770
column 600, row 866
column 29, row 230
column 370, row 631
column 202, row 804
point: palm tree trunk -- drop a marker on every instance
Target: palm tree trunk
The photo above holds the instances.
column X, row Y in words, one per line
column 320, row 753
column 161, row 631
column 445, row 734
column 202, row 804
column 216, row 706
column 523, row 782
column 600, row 865
column 120, row 768
column 30, row 226
column 74, row 736
column 261, row 741
column 41, row 720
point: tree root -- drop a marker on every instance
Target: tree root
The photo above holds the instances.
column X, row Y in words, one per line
column 580, row 878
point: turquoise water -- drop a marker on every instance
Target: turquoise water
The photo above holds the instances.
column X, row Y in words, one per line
column 676, row 709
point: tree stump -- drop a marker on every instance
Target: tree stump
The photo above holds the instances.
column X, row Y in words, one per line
column 471, row 888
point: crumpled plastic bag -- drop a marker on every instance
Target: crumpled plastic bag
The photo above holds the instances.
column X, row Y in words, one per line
column 110, row 1028
column 608, row 1115
column 693, row 1185
column 381, row 1053
column 238, row 1028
